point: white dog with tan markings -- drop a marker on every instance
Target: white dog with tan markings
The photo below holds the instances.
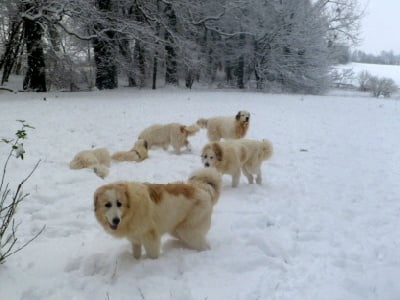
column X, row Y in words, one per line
column 233, row 156
column 143, row 212
column 227, row 127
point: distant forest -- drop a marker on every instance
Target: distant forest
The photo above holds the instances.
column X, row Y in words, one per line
column 384, row 58
column 278, row 45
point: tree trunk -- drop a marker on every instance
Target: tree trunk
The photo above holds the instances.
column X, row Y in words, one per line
column 171, row 72
column 106, row 69
column 126, row 52
column 155, row 60
column 105, row 54
column 240, row 68
column 35, row 77
column 240, row 73
column 10, row 56
column 155, row 63
column 140, row 62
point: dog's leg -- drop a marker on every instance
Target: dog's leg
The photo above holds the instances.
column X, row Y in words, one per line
column 188, row 146
column 235, row 179
column 177, row 149
column 152, row 243
column 259, row 177
column 193, row 238
column 194, row 229
column 249, row 176
column 137, row 250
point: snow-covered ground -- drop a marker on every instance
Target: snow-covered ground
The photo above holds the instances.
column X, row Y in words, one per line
column 325, row 224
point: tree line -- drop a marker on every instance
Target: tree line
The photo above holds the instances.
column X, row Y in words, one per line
column 384, row 58
column 269, row 44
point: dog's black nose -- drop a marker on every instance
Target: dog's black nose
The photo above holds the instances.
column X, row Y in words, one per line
column 247, row 119
column 207, row 165
column 116, row 221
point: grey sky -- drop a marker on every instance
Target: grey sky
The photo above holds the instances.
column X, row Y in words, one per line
column 380, row 26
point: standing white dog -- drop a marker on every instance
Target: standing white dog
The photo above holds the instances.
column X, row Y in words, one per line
column 173, row 134
column 232, row 127
column 232, row 157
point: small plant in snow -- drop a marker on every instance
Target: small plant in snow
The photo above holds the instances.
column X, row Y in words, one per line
column 378, row 86
column 364, row 80
column 9, row 200
column 382, row 86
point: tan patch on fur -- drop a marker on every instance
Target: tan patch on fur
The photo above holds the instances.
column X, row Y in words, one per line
column 218, row 151
column 156, row 191
column 241, row 129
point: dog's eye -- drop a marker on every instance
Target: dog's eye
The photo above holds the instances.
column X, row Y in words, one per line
column 119, row 204
column 108, row 205
column 205, row 156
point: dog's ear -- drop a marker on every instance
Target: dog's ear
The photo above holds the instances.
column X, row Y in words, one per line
column 97, row 193
column 237, row 117
column 96, row 200
column 123, row 189
column 218, row 151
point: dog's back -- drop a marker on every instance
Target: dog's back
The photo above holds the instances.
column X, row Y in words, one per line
column 156, row 135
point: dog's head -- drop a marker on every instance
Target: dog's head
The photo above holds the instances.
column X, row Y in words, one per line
column 141, row 144
column 111, row 205
column 243, row 116
column 211, row 155
column 189, row 130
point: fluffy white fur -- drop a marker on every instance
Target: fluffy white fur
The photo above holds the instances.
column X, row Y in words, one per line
column 96, row 159
column 144, row 212
column 173, row 134
column 137, row 153
column 232, row 157
column 227, row 127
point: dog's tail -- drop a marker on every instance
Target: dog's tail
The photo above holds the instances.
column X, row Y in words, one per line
column 190, row 130
column 266, row 149
column 210, row 177
column 202, row 123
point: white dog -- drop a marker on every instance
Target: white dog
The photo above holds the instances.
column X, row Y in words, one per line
column 226, row 127
column 173, row 134
column 138, row 153
column 232, row 157
column 97, row 159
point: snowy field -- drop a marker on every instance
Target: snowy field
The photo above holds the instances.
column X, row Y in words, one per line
column 325, row 224
column 380, row 71
column 388, row 71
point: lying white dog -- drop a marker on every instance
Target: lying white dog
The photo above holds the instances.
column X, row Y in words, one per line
column 97, row 159
column 137, row 153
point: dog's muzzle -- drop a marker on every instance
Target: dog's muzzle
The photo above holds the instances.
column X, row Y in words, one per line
column 206, row 165
column 115, row 223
